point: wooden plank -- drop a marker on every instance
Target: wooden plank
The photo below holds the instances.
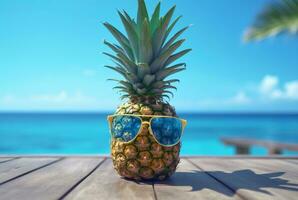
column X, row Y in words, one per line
column 54, row 155
column 50, row 182
column 18, row 167
column 255, row 178
column 269, row 157
column 106, row 156
column 289, row 169
column 3, row 160
column 104, row 183
column 191, row 183
column 293, row 161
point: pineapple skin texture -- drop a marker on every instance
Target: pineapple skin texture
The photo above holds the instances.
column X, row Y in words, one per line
column 144, row 158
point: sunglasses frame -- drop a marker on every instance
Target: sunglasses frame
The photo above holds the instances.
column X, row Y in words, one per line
column 183, row 121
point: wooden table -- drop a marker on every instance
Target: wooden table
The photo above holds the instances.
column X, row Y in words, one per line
column 93, row 177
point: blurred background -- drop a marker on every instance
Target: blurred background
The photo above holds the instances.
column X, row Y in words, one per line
column 54, row 97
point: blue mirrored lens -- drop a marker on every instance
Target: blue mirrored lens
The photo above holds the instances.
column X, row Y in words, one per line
column 167, row 131
column 125, row 128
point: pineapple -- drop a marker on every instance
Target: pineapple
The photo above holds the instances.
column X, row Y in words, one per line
column 144, row 57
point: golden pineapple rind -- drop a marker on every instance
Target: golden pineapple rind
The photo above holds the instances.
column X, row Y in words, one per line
column 144, row 158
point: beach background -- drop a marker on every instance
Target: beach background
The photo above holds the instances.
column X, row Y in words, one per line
column 87, row 133
column 54, row 97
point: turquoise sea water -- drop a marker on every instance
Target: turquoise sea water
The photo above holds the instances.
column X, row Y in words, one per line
column 87, row 133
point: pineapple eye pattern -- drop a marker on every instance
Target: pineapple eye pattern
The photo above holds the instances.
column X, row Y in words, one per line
column 125, row 128
column 167, row 131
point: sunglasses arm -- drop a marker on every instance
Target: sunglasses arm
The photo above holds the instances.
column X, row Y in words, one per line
column 184, row 122
column 110, row 119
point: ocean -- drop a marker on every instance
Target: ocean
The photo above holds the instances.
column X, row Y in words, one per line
column 87, row 133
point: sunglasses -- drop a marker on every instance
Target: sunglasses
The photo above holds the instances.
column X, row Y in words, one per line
column 166, row 130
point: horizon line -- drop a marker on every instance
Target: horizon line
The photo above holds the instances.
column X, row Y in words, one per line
column 181, row 112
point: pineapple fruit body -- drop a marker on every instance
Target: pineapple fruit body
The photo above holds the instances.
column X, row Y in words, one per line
column 145, row 58
column 144, row 158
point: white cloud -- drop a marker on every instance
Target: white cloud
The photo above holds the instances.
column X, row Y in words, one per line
column 63, row 98
column 270, row 89
column 7, row 99
column 89, row 72
column 291, row 89
column 267, row 91
column 240, row 98
column 54, row 98
column 275, row 94
column 268, row 84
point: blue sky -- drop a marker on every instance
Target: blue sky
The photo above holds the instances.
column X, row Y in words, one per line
column 51, row 57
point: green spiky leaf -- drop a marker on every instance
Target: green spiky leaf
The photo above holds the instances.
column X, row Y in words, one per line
column 123, row 41
column 160, row 61
column 169, row 87
column 132, row 36
column 172, row 81
column 167, row 45
column 134, row 24
column 159, row 34
column 167, row 72
column 142, row 14
column 171, row 27
column 176, row 56
column 117, row 69
column 145, row 43
column 155, row 18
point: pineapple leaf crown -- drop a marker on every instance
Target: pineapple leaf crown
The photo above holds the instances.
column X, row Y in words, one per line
column 145, row 55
